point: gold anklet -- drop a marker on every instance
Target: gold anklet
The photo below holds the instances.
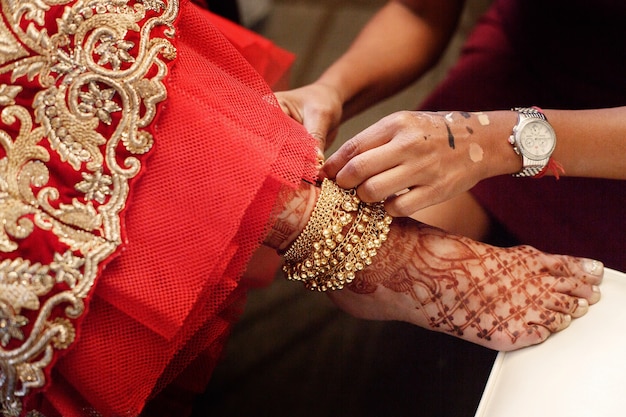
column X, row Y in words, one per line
column 340, row 239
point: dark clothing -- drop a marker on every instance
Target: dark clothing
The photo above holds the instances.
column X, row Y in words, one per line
column 225, row 8
column 557, row 54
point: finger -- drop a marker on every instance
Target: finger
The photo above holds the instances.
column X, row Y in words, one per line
column 318, row 126
column 376, row 173
column 410, row 202
column 340, row 158
column 385, row 185
column 289, row 109
column 370, row 138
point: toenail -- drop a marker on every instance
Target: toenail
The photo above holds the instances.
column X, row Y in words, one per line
column 593, row 267
column 595, row 297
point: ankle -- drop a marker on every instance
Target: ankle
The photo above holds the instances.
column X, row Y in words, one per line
column 297, row 207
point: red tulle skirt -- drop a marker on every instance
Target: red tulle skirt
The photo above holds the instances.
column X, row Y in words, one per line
column 160, row 312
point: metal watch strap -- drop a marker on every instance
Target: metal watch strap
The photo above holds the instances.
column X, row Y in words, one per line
column 530, row 112
column 529, row 171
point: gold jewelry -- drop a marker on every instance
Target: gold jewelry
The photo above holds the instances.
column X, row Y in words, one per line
column 340, row 239
column 330, row 197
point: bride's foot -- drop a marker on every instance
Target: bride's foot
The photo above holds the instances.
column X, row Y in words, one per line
column 501, row 298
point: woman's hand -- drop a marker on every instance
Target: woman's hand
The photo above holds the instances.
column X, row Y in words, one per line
column 417, row 159
column 317, row 107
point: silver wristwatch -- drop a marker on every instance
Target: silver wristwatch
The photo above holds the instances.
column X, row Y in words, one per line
column 534, row 139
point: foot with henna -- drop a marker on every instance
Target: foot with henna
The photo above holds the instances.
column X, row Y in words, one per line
column 500, row 298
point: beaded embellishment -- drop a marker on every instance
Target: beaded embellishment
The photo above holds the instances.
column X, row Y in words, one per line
column 79, row 86
column 340, row 239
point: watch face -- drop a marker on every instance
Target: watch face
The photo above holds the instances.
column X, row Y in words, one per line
column 536, row 139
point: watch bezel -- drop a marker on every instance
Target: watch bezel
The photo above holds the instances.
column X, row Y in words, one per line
column 524, row 151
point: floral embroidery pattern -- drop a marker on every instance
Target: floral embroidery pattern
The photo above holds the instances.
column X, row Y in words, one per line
column 79, row 85
column 98, row 102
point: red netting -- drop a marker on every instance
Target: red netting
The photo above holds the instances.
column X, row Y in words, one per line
column 223, row 150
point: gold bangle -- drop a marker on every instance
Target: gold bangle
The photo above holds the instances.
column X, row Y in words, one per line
column 341, row 238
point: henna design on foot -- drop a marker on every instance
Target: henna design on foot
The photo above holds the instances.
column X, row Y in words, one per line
column 502, row 298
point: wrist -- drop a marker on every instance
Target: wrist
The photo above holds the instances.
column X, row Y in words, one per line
column 336, row 86
column 486, row 135
column 343, row 81
column 533, row 138
column 497, row 127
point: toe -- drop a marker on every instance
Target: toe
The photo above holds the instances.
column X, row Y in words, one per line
column 578, row 288
column 532, row 335
column 580, row 307
column 560, row 322
column 565, row 304
column 555, row 322
column 593, row 268
column 589, row 271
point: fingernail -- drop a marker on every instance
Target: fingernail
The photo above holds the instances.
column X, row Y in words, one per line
column 594, row 267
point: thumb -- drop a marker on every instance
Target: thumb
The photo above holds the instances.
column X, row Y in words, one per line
column 318, row 125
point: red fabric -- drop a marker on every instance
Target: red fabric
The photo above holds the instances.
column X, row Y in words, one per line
column 569, row 62
column 223, row 150
column 43, row 166
column 268, row 60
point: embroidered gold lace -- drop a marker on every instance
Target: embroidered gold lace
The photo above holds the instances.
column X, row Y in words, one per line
column 97, row 68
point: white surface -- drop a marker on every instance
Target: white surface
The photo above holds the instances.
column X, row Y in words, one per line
column 579, row 372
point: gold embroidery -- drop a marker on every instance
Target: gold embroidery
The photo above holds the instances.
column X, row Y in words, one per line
column 67, row 155
column 10, row 49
